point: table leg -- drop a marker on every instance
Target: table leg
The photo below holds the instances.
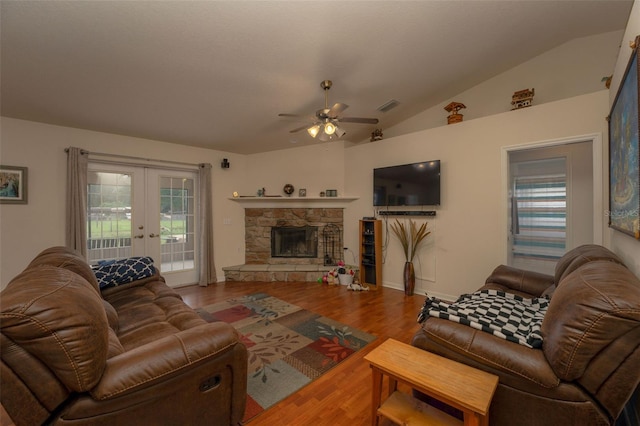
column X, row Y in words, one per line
column 475, row 419
column 484, row 420
column 376, row 394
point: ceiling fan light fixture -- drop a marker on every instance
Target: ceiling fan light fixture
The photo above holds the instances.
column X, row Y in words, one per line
column 339, row 132
column 329, row 128
column 313, row 130
column 324, row 137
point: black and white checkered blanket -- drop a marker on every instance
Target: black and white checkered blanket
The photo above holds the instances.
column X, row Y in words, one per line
column 502, row 314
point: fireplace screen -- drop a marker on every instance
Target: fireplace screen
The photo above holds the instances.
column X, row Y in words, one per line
column 290, row 241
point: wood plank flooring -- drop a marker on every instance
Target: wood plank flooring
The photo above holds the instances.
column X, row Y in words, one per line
column 343, row 395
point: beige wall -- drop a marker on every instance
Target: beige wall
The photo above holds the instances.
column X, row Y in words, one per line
column 571, row 69
column 470, row 228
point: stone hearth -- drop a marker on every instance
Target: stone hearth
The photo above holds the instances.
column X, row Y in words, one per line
column 260, row 266
column 283, row 272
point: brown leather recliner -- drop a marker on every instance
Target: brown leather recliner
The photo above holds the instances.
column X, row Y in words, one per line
column 135, row 354
column 589, row 363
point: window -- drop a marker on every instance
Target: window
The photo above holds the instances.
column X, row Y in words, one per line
column 108, row 215
column 539, row 212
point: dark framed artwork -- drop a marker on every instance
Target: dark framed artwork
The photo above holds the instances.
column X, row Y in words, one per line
column 13, row 185
column 624, row 154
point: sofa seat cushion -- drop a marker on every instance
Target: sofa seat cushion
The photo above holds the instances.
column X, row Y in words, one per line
column 517, row 366
column 504, row 315
column 150, row 311
column 58, row 317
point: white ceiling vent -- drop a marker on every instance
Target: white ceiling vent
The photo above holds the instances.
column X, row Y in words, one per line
column 388, row 106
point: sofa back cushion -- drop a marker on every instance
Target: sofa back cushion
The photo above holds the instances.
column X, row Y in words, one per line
column 59, row 318
column 591, row 309
column 66, row 258
column 575, row 258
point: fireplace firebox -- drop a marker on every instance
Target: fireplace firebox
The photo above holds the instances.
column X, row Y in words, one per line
column 294, row 241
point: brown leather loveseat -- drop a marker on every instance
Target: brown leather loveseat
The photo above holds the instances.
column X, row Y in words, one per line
column 133, row 354
column 589, row 364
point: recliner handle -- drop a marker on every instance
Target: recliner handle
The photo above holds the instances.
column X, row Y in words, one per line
column 210, row 383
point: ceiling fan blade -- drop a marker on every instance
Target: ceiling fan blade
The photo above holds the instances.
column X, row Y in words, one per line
column 297, row 117
column 337, row 109
column 358, row 120
column 297, row 129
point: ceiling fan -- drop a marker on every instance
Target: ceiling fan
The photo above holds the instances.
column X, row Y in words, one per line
column 324, row 125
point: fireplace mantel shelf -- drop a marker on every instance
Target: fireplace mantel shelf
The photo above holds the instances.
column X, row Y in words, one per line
column 265, row 200
column 251, row 198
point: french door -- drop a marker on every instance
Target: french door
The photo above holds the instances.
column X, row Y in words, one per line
column 140, row 211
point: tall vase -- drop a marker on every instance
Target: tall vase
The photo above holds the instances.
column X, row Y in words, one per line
column 409, row 278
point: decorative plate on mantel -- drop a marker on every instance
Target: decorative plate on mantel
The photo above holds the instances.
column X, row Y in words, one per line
column 288, row 189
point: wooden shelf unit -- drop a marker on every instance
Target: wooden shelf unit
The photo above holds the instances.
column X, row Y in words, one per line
column 371, row 253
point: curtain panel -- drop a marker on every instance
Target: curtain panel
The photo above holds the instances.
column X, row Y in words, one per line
column 205, row 218
column 76, row 211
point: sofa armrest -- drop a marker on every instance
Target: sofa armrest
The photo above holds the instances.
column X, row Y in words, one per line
column 196, row 376
column 163, row 359
column 533, row 283
column 517, row 366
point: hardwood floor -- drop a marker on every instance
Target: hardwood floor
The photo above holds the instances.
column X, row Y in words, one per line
column 343, row 395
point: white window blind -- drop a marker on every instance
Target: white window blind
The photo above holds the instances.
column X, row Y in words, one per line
column 539, row 212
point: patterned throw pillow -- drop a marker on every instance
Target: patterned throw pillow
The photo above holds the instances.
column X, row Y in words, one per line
column 113, row 273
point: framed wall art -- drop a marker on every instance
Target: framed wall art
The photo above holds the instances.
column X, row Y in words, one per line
column 624, row 154
column 13, row 185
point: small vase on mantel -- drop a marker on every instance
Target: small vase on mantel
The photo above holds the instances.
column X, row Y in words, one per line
column 409, row 278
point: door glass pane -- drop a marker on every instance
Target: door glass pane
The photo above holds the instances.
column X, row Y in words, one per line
column 177, row 223
column 108, row 216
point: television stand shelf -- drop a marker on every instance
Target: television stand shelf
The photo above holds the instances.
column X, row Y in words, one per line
column 406, row 213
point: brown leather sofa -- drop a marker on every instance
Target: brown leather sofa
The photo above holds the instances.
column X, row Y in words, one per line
column 589, row 363
column 133, row 354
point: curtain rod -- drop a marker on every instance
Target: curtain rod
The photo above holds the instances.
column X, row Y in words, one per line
column 129, row 157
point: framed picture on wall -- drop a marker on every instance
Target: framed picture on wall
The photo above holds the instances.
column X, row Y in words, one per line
column 624, row 154
column 13, row 185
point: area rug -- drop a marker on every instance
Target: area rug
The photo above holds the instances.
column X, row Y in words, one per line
column 288, row 346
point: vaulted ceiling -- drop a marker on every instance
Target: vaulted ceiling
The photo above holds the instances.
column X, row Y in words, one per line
column 216, row 74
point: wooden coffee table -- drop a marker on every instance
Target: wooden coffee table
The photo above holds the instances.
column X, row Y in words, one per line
column 458, row 385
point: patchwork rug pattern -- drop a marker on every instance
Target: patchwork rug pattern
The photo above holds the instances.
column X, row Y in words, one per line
column 288, row 346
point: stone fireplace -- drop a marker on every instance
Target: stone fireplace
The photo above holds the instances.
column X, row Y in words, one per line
column 294, row 241
column 258, row 223
column 289, row 244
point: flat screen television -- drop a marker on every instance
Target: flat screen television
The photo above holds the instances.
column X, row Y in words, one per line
column 416, row 184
